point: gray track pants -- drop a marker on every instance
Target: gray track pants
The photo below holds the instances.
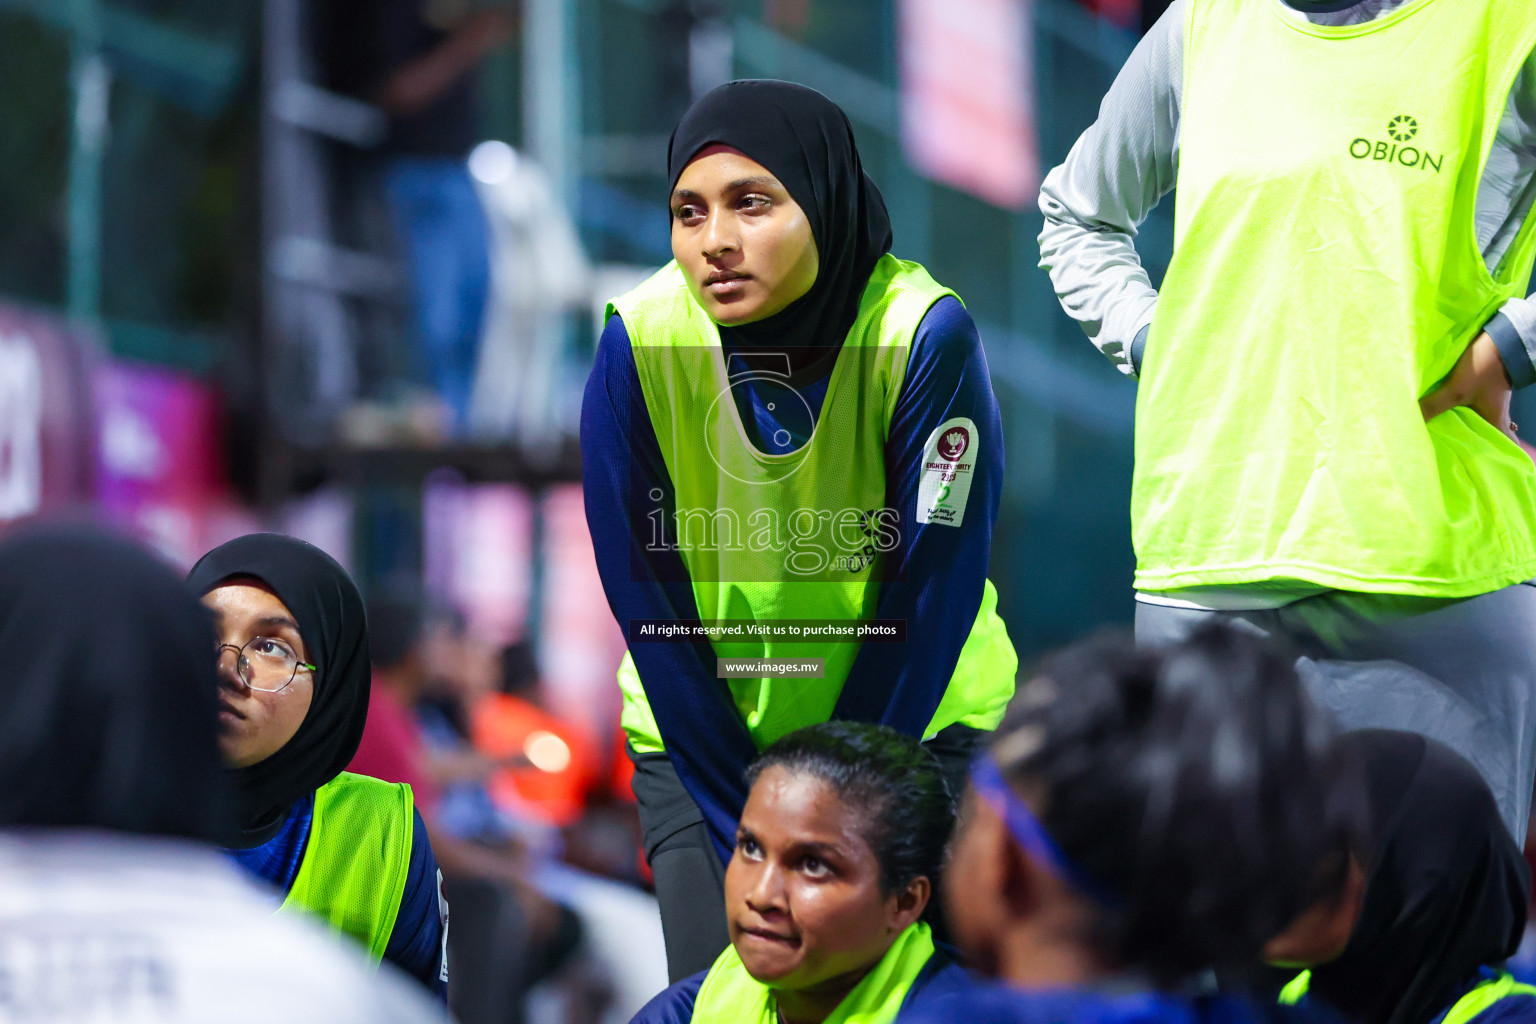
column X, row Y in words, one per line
column 1460, row 671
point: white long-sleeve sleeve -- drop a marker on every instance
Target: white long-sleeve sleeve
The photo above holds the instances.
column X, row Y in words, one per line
column 1112, row 179
column 1128, row 160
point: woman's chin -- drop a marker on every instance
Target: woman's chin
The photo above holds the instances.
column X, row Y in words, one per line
column 734, row 311
column 768, row 966
column 727, row 316
column 235, row 750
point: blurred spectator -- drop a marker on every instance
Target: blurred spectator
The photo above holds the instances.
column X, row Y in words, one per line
column 539, row 274
column 599, row 834
column 506, row 936
column 415, row 59
column 459, row 669
column 551, row 765
column 391, row 748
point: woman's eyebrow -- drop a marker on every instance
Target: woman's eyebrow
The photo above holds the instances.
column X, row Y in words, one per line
column 818, row 847
column 759, row 179
column 277, row 622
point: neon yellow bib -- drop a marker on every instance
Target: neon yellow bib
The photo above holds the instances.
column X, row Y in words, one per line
column 1326, row 274
column 357, row 859
column 1485, row 996
column 730, row 995
column 1465, row 1009
column 793, row 536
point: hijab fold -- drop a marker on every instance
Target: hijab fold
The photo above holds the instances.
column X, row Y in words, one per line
column 1446, row 888
column 108, row 699
column 329, row 611
column 806, row 142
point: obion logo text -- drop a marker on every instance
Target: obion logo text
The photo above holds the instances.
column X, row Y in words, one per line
column 1396, row 148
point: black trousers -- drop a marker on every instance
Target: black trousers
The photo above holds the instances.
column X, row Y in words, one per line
column 492, row 960
column 688, row 875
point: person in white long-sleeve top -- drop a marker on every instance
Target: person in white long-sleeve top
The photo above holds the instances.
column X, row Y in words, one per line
column 1323, row 443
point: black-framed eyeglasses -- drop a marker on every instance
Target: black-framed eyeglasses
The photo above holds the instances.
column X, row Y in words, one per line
column 265, row 663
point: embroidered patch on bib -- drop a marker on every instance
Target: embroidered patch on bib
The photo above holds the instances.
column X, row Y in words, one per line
column 949, row 462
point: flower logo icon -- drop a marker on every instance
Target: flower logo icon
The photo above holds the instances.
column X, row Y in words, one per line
column 1402, row 128
column 954, row 443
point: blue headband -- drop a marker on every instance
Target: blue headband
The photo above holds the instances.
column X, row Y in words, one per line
column 1031, row 834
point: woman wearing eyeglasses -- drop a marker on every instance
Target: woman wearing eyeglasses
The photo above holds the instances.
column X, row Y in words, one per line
column 293, row 697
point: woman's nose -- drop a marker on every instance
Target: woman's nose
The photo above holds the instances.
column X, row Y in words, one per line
column 228, row 663
column 767, row 891
column 718, row 238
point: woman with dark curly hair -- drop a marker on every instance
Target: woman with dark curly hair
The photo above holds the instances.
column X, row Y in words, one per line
column 837, row 856
column 1142, row 818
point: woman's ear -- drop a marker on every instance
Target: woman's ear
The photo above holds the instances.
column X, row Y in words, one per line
column 1020, row 884
column 908, row 905
column 1320, row 933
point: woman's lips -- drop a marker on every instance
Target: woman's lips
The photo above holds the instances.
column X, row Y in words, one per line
column 228, row 709
column 764, row 935
column 725, row 282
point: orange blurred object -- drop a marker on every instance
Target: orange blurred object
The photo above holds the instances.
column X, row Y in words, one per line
column 550, row 766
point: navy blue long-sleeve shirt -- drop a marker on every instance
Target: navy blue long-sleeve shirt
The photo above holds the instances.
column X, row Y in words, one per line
column 932, row 580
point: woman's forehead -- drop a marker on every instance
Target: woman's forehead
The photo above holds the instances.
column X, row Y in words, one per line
column 716, row 165
column 713, row 149
column 791, row 806
column 246, row 596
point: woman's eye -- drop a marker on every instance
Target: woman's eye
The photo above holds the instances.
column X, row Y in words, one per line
column 747, row 846
column 687, row 213
column 754, row 202
column 269, row 648
column 815, row 867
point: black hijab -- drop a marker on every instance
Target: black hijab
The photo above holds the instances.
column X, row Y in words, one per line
column 805, row 140
column 1446, row 887
column 325, row 603
column 108, row 698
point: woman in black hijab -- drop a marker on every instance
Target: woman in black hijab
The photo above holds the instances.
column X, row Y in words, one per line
column 1444, row 899
column 107, row 697
column 293, row 691
column 807, row 143
column 824, row 410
